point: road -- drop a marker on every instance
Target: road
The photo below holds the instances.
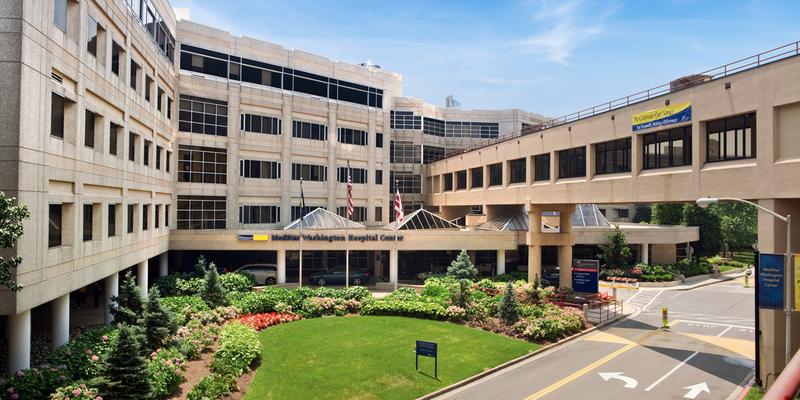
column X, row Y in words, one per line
column 707, row 352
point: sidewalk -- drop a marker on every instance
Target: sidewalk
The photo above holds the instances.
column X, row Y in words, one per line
column 690, row 284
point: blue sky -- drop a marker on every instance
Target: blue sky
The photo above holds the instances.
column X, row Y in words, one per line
column 553, row 57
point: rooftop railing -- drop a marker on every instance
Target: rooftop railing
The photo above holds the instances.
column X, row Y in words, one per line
column 755, row 61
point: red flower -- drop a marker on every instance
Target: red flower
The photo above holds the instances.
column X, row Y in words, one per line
column 264, row 320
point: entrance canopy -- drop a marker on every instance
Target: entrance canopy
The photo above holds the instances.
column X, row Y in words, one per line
column 322, row 219
column 422, row 219
column 585, row 216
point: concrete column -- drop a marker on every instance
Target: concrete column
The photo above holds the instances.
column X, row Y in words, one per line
column 141, row 276
column 534, row 262
column 60, row 321
column 19, row 341
column 112, row 289
column 645, row 253
column 393, row 262
column 163, row 268
column 501, row 262
column 281, row 266
column 565, row 266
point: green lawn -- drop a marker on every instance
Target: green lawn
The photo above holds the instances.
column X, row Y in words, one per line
column 747, row 257
column 755, row 393
column 371, row 358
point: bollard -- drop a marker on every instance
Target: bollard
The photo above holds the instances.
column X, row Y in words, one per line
column 586, row 311
column 664, row 318
column 614, row 293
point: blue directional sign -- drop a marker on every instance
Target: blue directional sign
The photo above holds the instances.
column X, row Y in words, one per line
column 428, row 349
column 771, row 280
column 585, row 275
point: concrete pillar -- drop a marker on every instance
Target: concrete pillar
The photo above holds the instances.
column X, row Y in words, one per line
column 393, row 262
column 565, row 266
column 19, row 341
column 501, row 262
column 112, row 289
column 141, row 276
column 281, row 267
column 59, row 326
column 534, row 262
column 163, row 268
column 645, row 253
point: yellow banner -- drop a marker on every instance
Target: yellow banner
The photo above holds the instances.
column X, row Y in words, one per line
column 796, row 281
column 261, row 238
column 671, row 114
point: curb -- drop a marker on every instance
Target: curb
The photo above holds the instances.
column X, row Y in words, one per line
column 722, row 278
column 517, row 360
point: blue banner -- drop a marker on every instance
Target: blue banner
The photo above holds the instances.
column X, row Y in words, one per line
column 771, row 281
column 672, row 114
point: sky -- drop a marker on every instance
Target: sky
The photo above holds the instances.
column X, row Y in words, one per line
column 552, row 57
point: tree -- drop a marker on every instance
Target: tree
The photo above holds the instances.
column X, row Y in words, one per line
column 127, row 307
column 11, row 229
column 213, row 293
column 158, row 323
column 710, row 242
column 125, row 374
column 508, row 306
column 667, row 214
column 738, row 223
column 462, row 267
column 643, row 213
column 617, row 252
column 201, row 266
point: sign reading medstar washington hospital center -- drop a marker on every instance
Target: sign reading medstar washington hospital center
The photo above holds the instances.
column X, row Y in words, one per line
column 672, row 114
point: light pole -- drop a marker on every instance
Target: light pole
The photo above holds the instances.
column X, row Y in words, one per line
column 788, row 281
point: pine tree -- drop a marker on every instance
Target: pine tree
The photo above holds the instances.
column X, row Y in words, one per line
column 508, row 306
column 125, row 369
column 462, row 267
column 158, row 323
column 201, row 266
column 213, row 293
column 127, row 307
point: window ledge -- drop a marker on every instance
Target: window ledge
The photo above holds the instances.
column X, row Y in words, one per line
column 787, row 160
column 611, row 177
column 666, row 171
column 718, row 165
column 540, row 183
column 516, row 184
column 571, row 180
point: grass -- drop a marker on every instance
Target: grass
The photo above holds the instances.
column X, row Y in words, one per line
column 371, row 358
column 755, row 393
column 746, row 257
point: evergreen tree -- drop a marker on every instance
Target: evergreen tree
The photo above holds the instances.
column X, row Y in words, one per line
column 158, row 323
column 616, row 252
column 213, row 293
column 508, row 306
column 125, row 373
column 11, row 229
column 127, row 307
column 201, row 266
column 462, row 267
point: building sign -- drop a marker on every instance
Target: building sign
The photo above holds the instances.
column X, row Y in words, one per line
column 668, row 115
column 428, row 349
column 585, row 275
column 770, row 280
column 318, row 237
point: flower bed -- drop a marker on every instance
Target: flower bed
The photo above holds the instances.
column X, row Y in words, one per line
column 262, row 321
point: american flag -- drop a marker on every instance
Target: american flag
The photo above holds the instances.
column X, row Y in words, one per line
column 398, row 208
column 349, row 193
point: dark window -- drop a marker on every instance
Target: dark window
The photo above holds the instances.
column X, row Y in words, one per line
column 158, row 157
column 731, row 138
column 477, row 177
column 57, row 116
column 474, row 130
column 358, row 175
column 613, row 157
column 134, row 71
column 131, row 208
column 379, row 177
column 359, row 213
column 352, row 136
column 116, row 52
column 431, row 153
column 541, row 167
column 91, row 36
column 88, row 130
column 202, row 164
column 145, row 216
column 168, row 161
column 260, row 124
column 378, row 214
column 169, row 108
column 113, row 138
column 166, row 215
column 260, row 169
column 157, row 218
column 314, row 173
column 146, row 154
column 204, row 116
column 401, row 152
column 296, row 211
column 54, row 224
column 623, row 212
column 404, row 120
column 448, row 182
column 87, row 222
column 201, row 212
column 669, row 148
column 133, row 141
column 259, row 214
column 516, row 173
column 405, row 181
column 60, row 14
column 378, row 140
column 159, row 97
column 112, row 220
column 572, row 163
column 433, row 127
column 309, row 130
column 461, row 179
column 496, row 174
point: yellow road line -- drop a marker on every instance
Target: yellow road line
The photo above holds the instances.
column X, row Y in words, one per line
column 579, row 373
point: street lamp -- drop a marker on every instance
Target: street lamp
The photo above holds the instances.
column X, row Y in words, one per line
column 704, row 202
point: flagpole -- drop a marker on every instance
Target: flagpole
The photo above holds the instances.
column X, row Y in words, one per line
column 347, row 231
column 396, row 249
column 302, row 214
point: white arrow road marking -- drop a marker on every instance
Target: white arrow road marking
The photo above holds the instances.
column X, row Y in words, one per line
column 696, row 389
column 630, row 383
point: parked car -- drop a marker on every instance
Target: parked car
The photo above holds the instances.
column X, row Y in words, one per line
column 266, row 274
column 335, row 276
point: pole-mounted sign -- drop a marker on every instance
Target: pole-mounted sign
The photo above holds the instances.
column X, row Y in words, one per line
column 428, row 349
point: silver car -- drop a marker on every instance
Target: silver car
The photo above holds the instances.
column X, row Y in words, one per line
column 266, row 274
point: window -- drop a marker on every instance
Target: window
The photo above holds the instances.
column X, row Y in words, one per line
column 145, row 216
column 168, row 161
column 296, row 211
column 133, row 141
column 201, row 212
column 448, row 182
column 204, row 61
column 433, row 127
column 157, row 219
column 159, row 96
column 461, row 180
column 148, row 83
column 116, row 55
column 146, row 154
column 87, row 222
column 516, row 171
column 496, row 174
column 378, row 140
column 431, row 153
column 60, row 14
column 572, row 163
column 169, row 108
column 405, row 181
column 671, row 148
column 259, row 214
column 112, row 220
column 113, row 139
column 91, row 36
column 166, row 216
column 477, row 177
column 613, row 157
column 205, row 116
column 623, row 213
column 359, row 213
column 159, row 150
column 541, row 167
column 379, row 177
column 358, row 175
column 309, row 130
column 202, row 164
column 57, row 116
column 259, row 169
column 352, row 136
column 88, row 130
column 404, row 120
column 134, row 72
column 731, row 138
column 378, row 214
column 474, row 130
column 54, row 230
column 260, row 124
column 308, row 172
column 131, row 213
column 401, row 152
column 476, row 210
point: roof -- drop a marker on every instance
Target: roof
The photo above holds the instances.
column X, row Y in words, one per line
column 586, row 215
column 517, row 222
column 322, row 219
column 422, row 219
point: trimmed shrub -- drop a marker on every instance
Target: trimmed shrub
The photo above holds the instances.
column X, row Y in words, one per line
column 75, row 392
column 238, row 348
column 84, row 354
column 554, row 323
column 359, row 293
column 409, row 308
column 233, row 282
column 165, row 371
column 403, row 294
column 212, row 387
column 511, row 277
column 182, row 307
column 189, row 286
column 34, row 383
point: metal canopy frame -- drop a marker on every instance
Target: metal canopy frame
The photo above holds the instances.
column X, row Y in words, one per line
column 322, row 219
